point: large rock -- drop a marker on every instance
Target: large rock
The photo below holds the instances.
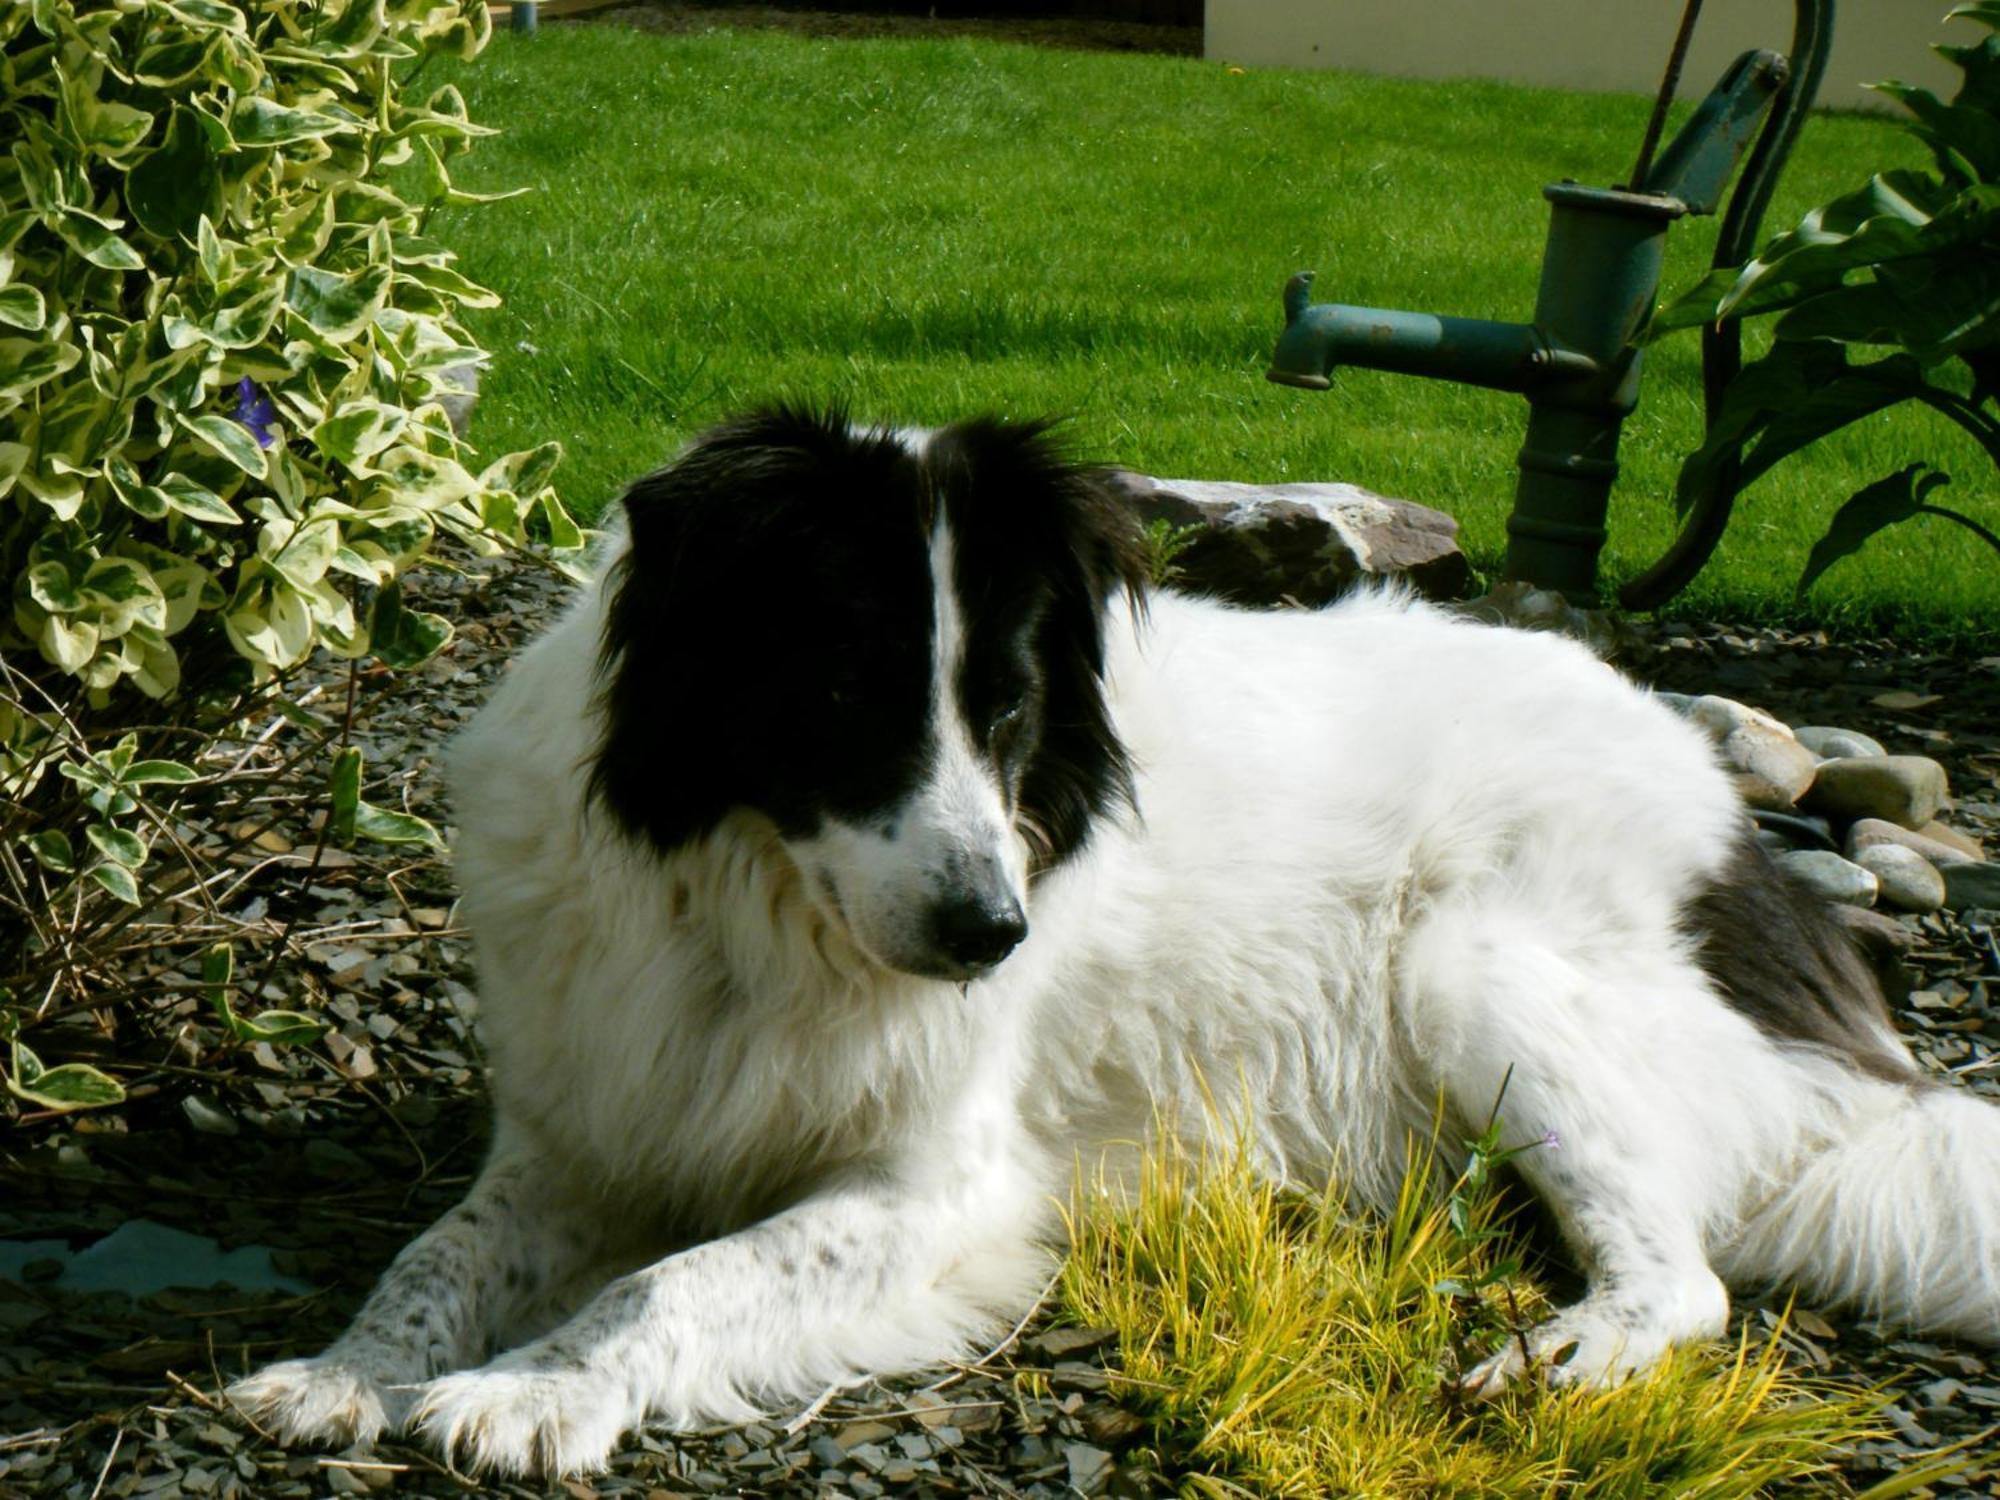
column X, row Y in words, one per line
column 1772, row 768
column 1904, row 878
column 1954, row 838
column 1306, row 543
column 1837, row 879
column 1869, row 833
column 1906, row 790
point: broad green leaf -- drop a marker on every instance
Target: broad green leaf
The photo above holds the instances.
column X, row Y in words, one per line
column 402, row 637
column 22, row 307
column 338, row 307
column 172, row 60
column 563, row 532
column 398, row 537
column 303, row 233
column 358, row 430
column 282, row 1028
column 170, row 188
column 119, row 845
column 204, row 15
column 389, row 827
column 259, row 121
column 97, row 242
column 270, row 622
column 13, row 459
column 208, row 250
column 423, row 480
column 300, row 551
column 118, row 880
column 64, row 1087
column 159, row 772
column 28, row 363
column 52, row 851
column 449, row 283
column 1798, row 392
column 1881, row 504
column 195, row 501
column 1860, row 392
column 49, row 584
column 67, row 643
column 105, row 127
column 344, row 795
column 526, row 473
column 124, row 593
column 229, row 438
column 1970, row 133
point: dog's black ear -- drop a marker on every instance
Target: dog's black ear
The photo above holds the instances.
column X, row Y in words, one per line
column 696, row 623
column 1026, row 508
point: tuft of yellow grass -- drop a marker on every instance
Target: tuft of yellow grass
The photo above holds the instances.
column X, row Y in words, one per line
column 1279, row 1346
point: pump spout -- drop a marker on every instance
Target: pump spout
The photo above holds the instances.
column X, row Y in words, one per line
column 1318, row 337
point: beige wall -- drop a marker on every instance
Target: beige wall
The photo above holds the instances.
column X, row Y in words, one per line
column 1581, row 44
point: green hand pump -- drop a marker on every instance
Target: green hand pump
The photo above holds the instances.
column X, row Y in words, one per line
column 1575, row 362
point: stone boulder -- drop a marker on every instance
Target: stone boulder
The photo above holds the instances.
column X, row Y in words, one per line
column 1269, row 544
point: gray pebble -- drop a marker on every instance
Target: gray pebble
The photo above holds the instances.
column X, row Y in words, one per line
column 1903, row 789
column 827, row 1451
column 1089, row 1468
column 1830, row 743
column 1836, row 879
column 1772, row 769
column 1906, row 880
column 1870, row 832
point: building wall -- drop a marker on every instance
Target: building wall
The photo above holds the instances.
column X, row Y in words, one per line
column 1580, row 44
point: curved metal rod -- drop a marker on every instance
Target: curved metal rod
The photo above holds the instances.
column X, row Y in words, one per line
column 1722, row 344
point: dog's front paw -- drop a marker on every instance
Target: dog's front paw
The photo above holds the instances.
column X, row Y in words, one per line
column 517, row 1419
column 1578, row 1347
column 329, row 1400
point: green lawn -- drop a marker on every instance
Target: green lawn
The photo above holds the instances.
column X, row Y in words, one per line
column 927, row 229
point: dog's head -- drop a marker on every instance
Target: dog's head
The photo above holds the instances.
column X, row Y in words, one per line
column 889, row 645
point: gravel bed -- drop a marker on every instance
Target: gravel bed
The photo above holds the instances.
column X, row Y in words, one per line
column 333, row 1155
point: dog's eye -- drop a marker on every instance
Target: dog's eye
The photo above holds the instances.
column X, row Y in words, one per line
column 1009, row 712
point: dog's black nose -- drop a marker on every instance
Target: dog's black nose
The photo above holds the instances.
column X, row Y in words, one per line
column 976, row 933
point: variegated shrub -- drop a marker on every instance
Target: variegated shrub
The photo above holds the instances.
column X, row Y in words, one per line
column 224, row 336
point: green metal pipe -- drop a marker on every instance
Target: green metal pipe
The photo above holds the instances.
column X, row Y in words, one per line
column 1319, row 338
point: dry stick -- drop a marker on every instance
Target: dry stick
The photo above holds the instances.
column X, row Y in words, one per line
column 810, row 1415
column 117, row 1441
column 960, row 1371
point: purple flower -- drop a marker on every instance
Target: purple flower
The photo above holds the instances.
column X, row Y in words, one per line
column 254, row 411
column 1551, row 1140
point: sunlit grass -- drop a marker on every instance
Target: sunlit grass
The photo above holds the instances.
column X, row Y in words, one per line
column 932, row 228
column 1278, row 1347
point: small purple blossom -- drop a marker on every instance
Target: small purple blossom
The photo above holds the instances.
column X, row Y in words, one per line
column 1551, row 1140
column 254, row 411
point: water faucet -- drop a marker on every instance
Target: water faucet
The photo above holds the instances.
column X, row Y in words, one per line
column 1575, row 361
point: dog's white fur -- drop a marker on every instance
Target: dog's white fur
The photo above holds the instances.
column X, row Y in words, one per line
column 1381, row 856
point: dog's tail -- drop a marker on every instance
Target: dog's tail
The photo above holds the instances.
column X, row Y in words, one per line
column 1896, row 1212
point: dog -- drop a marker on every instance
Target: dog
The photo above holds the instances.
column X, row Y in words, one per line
column 869, row 843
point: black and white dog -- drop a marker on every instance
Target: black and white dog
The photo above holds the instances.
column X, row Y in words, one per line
column 863, row 847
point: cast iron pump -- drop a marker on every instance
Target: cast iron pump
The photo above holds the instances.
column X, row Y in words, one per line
column 1576, row 362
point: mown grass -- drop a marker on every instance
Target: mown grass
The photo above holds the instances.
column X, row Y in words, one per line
column 930, row 228
column 1279, row 1348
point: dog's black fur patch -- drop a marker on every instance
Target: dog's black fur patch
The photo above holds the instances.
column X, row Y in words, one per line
column 769, row 639
column 1776, row 953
